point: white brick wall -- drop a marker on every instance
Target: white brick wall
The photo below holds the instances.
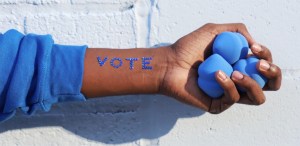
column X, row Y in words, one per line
column 158, row 120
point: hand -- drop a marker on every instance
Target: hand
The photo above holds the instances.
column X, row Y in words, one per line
column 184, row 57
column 266, row 68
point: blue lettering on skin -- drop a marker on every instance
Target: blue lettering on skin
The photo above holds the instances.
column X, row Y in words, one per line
column 131, row 63
column 117, row 62
column 113, row 64
column 101, row 62
column 145, row 62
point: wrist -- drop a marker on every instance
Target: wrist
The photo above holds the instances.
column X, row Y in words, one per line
column 165, row 56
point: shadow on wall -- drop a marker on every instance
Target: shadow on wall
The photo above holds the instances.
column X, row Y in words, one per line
column 111, row 120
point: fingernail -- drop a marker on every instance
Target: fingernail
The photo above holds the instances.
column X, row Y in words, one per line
column 237, row 75
column 222, row 75
column 264, row 65
column 256, row 48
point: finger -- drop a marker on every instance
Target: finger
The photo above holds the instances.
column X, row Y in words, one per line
column 236, row 27
column 272, row 73
column 244, row 99
column 230, row 96
column 253, row 91
column 261, row 52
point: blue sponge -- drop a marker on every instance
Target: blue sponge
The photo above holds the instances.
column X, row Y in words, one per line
column 245, row 46
column 248, row 67
column 231, row 46
column 207, row 81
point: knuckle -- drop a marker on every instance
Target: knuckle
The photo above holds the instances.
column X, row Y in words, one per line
column 232, row 96
column 211, row 28
column 231, row 100
column 242, row 25
column 278, row 70
column 260, row 101
column 214, row 109
column 266, row 53
column 274, row 72
column 228, row 85
column 248, row 83
column 215, row 112
column 236, row 99
column 265, row 48
column 209, row 24
column 275, row 69
column 276, row 88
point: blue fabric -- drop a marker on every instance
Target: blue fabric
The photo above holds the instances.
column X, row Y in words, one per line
column 36, row 73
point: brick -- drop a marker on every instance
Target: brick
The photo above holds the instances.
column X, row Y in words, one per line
column 103, row 30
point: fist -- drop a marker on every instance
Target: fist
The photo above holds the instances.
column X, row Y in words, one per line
column 229, row 48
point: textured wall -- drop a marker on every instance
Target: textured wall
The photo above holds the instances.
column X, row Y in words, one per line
column 158, row 120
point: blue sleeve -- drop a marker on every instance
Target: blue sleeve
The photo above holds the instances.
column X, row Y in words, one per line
column 36, row 73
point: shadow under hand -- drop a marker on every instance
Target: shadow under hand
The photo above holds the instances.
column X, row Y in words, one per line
column 111, row 120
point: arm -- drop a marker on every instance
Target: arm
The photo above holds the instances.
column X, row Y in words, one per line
column 174, row 71
column 123, row 71
column 36, row 72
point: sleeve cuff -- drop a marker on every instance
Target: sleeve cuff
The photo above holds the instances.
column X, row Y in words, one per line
column 36, row 73
column 66, row 74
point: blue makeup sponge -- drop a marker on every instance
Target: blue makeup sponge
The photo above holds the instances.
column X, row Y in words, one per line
column 245, row 46
column 248, row 67
column 231, row 46
column 206, row 71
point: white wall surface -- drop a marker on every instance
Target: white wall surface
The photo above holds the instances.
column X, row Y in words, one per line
column 153, row 119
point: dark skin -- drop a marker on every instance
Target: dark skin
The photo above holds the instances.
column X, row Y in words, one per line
column 175, row 72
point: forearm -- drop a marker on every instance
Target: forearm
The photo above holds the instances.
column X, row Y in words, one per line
column 110, row 72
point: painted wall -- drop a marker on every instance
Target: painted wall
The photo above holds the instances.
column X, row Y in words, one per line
column 154, row 119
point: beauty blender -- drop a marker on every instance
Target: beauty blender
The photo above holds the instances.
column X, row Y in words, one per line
column 207, row 81
column 245, row 46
column 248, row 67
column 231, row 46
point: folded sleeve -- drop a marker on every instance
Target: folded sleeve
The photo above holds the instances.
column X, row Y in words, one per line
column 36, row 73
